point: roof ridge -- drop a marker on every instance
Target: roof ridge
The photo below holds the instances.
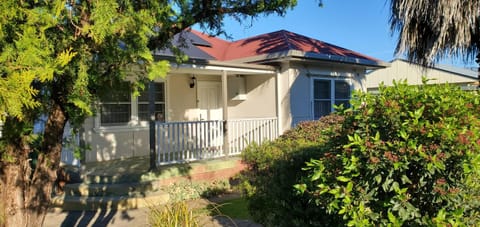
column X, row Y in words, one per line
column 287, row 39
column 226, row 50
column 196, row 32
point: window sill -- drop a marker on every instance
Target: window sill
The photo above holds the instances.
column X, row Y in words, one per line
column 141, row 126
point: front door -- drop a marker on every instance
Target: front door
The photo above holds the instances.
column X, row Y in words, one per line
column 209, row 95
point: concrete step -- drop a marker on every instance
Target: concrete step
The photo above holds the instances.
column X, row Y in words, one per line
column 133, row 201
column 112, row 178
column 118, row 189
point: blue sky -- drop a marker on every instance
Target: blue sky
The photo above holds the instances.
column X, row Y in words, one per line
column 359, row 25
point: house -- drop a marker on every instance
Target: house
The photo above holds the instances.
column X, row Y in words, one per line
column 404, row 70
column 227, row 95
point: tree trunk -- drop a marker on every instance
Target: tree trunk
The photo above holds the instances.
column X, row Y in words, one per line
column 26, row 192
column 13, row 186
column 478, row 63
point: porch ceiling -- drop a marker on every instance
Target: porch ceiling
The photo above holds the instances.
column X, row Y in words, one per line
column 217, row 68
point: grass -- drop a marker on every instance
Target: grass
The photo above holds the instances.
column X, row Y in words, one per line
column 234, row 208
column 195, row 213
column 174, row 214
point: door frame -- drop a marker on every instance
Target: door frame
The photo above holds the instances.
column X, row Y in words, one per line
column 218, row 85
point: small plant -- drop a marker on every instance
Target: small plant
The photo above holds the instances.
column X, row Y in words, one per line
column 172, row 215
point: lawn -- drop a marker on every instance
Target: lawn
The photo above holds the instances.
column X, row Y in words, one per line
column 234, row 208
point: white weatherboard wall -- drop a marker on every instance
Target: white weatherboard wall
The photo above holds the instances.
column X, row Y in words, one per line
column 258, row 100
column 110, row 143
column 413, row 73
column 295, row 89
column 181, row 99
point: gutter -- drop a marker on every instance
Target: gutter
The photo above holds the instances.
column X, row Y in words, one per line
column 296, row 55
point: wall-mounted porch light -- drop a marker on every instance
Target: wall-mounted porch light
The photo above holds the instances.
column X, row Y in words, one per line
column 193, row 81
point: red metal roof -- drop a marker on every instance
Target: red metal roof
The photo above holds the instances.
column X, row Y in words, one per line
column 218, row 46
column 270, row 43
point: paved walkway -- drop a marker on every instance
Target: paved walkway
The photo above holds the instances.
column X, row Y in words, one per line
column 134, row 218
column 127, row 218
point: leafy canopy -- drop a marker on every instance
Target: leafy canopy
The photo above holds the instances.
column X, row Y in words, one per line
column 430, row 30
column 85, row 45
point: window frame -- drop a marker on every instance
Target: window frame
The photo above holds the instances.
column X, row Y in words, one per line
column 332, row 98
column 138, row 103
column 134, row 124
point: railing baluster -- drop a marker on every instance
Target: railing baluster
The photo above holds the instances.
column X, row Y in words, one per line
column 182, row 142
column 160, row 142
column 197, row 140
column 204, row 138
column 164, row 141
column 170, row 138
column 188, row 141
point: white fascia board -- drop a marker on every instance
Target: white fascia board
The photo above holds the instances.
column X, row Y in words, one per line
column 218, row 67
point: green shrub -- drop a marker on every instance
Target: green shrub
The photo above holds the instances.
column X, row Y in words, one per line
column 186, row 190
column 174, row 214
column 273, row 168
column 409, row 156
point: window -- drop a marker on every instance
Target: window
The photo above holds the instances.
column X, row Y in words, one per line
column 327, row 93
column 143, row 114
column 115, row 106
column 118, row 107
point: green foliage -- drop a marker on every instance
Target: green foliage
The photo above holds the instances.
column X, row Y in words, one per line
column 409, row 156
column 274, row 167
column 174, row 214
column 232, row 208
column 67, row 51
column 193, row 190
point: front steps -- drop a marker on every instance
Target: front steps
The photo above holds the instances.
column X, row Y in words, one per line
column 116, row 195
column 123, row 185
column 120, row 202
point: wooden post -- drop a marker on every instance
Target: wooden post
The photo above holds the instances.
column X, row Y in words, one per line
column 278, row 102
column 151, row 112
column 225, row 113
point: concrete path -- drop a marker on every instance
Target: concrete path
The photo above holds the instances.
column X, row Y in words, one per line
column 135, row 217
column 117, row 218
column 128, row 218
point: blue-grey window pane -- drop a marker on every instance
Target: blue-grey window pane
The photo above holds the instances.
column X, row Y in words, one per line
column 159, row 94
column 143, row 114
column 321, row 89
column 342, row 89
column 111, row 114
column 115, row 104
column 321, row 108
column 117, row 93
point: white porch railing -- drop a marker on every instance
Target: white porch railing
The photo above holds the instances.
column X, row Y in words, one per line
column 189, row 141
column 243, row 132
